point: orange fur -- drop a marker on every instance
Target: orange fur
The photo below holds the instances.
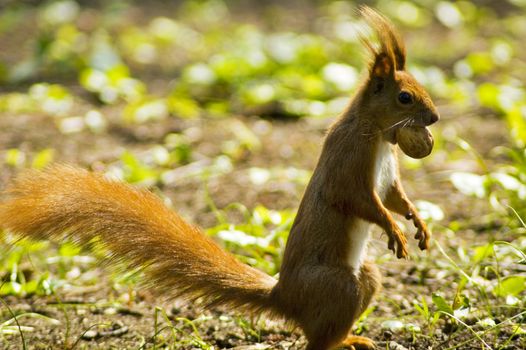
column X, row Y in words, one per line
column 137, row 228
column 325, row 282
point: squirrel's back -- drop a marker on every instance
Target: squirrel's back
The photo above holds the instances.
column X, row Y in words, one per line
column 137, row 229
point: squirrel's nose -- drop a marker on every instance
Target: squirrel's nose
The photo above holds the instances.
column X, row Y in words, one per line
column 433, row 118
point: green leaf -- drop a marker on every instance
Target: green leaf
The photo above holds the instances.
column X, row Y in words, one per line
column 183, row 107
column 11, row 288
column 15, row 157
column 441, row 304
column 480, row 62
column 68, row 250
column 43, row 158
column 511, row 286
column 516, row 118
column 482, row 252
column 136, row 171
column 488, row 94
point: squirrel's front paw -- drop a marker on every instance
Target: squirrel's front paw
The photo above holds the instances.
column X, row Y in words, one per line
column 422, row 234
column 397, row 237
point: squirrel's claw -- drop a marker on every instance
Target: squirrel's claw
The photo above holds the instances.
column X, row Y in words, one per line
column 422, row 234
column 423, row 244
column 391, row 243
column 401, row 250
column 397, row 238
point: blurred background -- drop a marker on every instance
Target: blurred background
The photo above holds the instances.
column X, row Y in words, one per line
column 221, row 106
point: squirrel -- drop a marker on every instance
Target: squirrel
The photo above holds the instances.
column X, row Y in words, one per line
column 325, row 282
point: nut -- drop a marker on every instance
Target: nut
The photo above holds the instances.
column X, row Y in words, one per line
column 417, row 142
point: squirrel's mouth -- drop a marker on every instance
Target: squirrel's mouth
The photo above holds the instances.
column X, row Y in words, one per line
column 390, row 136
column 422, row 120
column 425, row 119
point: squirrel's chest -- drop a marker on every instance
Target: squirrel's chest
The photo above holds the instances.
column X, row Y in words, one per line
column 384, row 169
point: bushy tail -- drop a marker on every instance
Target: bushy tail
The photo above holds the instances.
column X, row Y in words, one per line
column 136, row 228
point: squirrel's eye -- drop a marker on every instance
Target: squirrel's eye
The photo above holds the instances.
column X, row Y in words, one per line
column 405, row 97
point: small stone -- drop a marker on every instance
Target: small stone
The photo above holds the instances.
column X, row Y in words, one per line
column 89, row 335
column 395, row 346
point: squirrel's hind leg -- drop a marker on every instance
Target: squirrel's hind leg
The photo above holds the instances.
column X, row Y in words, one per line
column 329, row 328
column 369, row 283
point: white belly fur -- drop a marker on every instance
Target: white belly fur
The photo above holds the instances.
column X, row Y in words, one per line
column 358, row 230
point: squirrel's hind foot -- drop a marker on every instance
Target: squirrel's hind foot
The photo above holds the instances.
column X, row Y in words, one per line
column 356, row 342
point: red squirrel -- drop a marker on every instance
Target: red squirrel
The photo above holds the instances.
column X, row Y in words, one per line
column 325, row 282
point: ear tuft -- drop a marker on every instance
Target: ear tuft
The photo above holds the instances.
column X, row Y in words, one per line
column 392, row 48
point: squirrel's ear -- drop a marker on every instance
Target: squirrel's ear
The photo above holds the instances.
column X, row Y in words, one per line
column 381, row 70
column 383, row 66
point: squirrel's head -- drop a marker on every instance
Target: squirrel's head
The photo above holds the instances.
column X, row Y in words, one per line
column 391, row 95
